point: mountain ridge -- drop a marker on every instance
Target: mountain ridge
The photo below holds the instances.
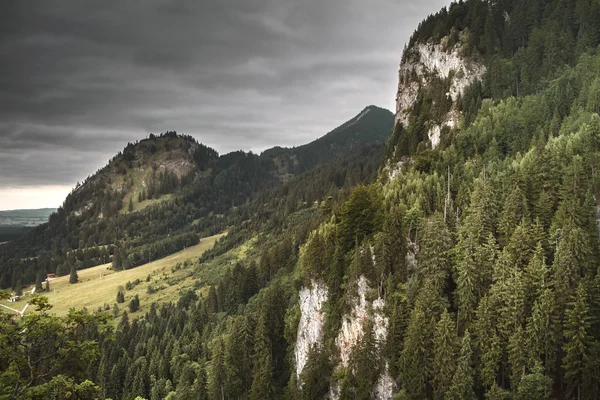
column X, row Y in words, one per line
column 153, row 178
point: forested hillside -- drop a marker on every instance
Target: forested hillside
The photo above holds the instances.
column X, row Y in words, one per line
column 465, row 267
column 371, row 125
column 159, row 195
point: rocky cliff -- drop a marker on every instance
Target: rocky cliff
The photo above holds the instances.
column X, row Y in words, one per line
column 311, row 300
column 425, row 63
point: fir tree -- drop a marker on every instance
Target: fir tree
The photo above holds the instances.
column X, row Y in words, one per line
column 517, row 357
column 73, row 278
column 314, row 379
column 120, row 297
column 39, row 279
column 216, row 374
column 535, row 385
column 238, row 358
column 134, row 305
column 463, row 381
column 541, row 332
column 577, row 341
column 262, row 372
column 212, row 303
column 445, row 348
column 413, row 360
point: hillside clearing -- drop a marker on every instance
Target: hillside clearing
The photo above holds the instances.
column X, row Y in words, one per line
column 99, row 285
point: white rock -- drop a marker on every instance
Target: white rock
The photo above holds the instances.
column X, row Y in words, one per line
column 385, row 385
column 353, row 328
column 353, row 324
column 426, row 60
column 434, row 135
column 311, row 321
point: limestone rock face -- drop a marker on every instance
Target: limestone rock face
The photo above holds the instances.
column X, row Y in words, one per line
column 311, row 321
column 353, row 328
column 425, row 61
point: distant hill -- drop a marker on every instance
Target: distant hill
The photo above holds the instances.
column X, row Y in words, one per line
column 16, row 223
column 19, row 218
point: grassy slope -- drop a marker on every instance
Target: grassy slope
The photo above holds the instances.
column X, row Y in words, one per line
column 94, row 291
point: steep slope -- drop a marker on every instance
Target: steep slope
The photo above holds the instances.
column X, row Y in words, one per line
column 467, row 218
column 371, row 125
column 445, row 65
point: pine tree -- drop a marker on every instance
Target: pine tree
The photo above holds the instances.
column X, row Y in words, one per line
column 73, row 278
column 490, row 35
column 397, row 325
column 515, row 209
column 364, row 364
column 120, row 297
column 39, row 279
column 541, row 334
column 238, row 358
column 536, row 275
column 394, row 244
column 413, row 360
column 516, row 357
column 134, row 305
column 212, row 303
column 262, row 372
column 476, row 251
column 570, row 259
column 117, row 263
column 463, row 381
column 445, row 348
column 130, row 206
column 216, row 374
column 535, row 385
column 577, row 341
column 488, row 341
column 511, row 294
column 434, row 254
column 497, row 393
column 314, row 379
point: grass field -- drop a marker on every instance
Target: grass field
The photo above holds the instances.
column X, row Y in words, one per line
column 99, row 285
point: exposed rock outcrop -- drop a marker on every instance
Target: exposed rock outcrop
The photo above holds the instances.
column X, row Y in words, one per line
column 353, row 328
column 311, row 321
column 425, row 61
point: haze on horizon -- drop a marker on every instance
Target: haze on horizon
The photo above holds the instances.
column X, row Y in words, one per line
column 81, row 79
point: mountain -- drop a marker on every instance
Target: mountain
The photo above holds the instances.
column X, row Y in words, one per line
column 157, row 195
column 371, row 125
column 462, row 263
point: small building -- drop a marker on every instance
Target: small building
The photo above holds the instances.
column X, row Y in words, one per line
column 51, row 275
column 14, row 299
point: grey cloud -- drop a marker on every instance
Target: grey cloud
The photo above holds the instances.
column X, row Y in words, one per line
column 80, row 79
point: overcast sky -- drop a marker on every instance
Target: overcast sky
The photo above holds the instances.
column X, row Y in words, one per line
column 80, row 79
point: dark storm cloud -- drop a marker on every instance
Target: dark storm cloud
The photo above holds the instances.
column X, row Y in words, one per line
column 80, row 79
